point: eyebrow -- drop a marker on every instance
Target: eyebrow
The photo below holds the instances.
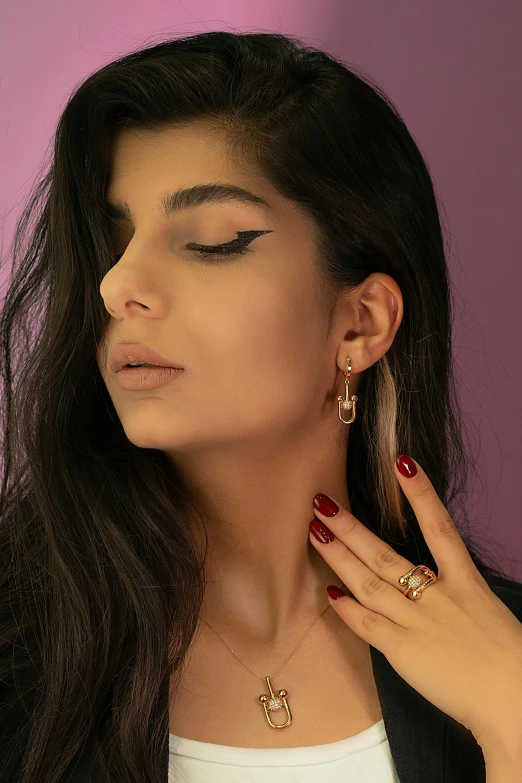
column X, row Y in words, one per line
column 189, row 198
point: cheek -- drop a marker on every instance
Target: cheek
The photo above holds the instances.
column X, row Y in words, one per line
column 253, row 336
column 259, row 359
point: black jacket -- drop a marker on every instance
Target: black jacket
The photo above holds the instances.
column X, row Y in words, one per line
column 425, row 743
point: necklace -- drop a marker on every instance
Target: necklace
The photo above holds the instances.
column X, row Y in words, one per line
column 273, row 702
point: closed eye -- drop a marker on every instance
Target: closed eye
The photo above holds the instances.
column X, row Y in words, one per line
column 236, row 247
column 210, row 252
column 220, row 250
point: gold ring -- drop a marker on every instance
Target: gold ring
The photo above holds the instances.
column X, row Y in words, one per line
column 415, row 582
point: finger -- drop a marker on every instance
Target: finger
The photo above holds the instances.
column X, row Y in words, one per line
column 375, row 553
column 374, row 628
column 365, row 585
column 442, row 537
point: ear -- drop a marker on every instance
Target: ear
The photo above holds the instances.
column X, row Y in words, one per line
column 372, row 313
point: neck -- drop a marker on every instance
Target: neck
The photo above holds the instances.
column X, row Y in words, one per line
column 264, row 580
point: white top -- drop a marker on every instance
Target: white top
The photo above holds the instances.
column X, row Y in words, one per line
column 363, row 758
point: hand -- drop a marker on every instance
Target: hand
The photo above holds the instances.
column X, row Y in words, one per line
column 458, row 644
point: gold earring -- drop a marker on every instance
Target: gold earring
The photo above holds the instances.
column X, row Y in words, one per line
column 346, row 402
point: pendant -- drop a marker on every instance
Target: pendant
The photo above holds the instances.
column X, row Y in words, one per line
column 274, row 704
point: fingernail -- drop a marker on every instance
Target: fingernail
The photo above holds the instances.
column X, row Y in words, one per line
column 325, row 505
column 334, row 592
column 321, row 532
column 406, row 466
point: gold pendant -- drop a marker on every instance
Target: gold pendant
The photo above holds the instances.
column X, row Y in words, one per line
column 274, row 704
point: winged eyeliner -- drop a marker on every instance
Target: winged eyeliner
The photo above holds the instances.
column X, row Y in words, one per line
column 243, row 239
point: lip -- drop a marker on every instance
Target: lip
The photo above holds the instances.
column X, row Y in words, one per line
column 124, row 353
column 144, row 378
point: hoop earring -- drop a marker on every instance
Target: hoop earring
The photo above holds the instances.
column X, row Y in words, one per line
column 347, row 403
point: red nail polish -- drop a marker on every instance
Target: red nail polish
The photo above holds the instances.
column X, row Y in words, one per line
column 334, row 592
column 321, row 532
column 406, row 466
column 325, row 505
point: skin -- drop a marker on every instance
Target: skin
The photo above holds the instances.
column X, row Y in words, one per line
column 252, row 423
column 467, row 643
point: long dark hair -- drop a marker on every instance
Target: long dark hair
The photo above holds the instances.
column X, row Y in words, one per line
column 101, row 582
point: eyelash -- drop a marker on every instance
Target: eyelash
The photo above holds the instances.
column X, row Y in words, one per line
column 221, row 251
column 218, row 251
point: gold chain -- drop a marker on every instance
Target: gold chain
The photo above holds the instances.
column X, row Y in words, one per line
column 293, row 651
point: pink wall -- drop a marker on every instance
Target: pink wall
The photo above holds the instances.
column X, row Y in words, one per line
column 453, row 70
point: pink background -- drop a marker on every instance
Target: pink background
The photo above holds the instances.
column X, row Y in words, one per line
column 452, row 69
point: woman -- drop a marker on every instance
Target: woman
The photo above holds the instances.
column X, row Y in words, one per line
column 255, row 218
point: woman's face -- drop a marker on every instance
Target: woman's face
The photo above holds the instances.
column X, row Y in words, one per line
column 249, row 330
